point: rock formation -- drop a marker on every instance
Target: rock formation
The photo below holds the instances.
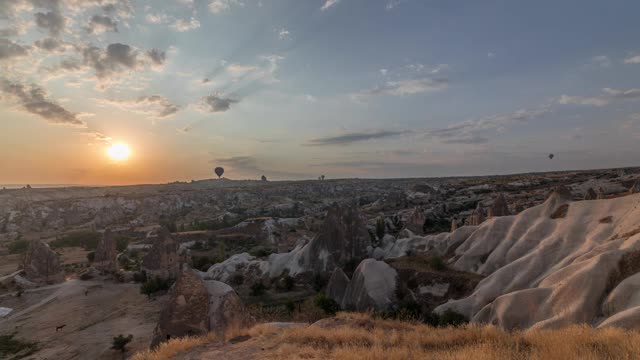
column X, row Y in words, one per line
column 499, row 207
column 601, row 194
column 343, row 238
column 635, row 188
column 454, row 225
column 415, row 221
column 576, row 269
column 196, row 307
column 163, row 260
column 41, row 264
column 590, row 194
column 106, row 253
column 562, row 192
column 477, row 216
column 337, row 285
column 372, row 287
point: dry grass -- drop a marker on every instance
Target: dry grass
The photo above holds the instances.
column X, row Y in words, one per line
column 170, row 349
column 358, row 336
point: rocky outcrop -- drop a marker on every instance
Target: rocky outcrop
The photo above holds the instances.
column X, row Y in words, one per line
column 415, row 221
column 196, row 307
column 41, row 264
column 574, row 269
column 477, row 217
column 602, row 194
column 635, row 188
column 500, row 207
column 106, row 253
column 343, row 238
column 163, row 260
column 373, row 287
column 590, row 194
column 337, row 285
column 454, row 225
column 561, row 192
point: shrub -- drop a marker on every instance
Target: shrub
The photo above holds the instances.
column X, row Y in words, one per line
column 289, row 282
column 18, row 246
column 261, row 251
column 121, row 243
column 120, row 342
column 329, row 306
column 319, row 282
column 91, row 256
column 154, row 285
column 202, row 263
column 258, row 289
column 452, row 318
column 85, row 276
column 140, row 277
column 290, row 305
column 436, row 263
column 380, row 227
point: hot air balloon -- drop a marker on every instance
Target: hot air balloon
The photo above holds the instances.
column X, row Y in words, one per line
column 219, row 171
column 551, row 156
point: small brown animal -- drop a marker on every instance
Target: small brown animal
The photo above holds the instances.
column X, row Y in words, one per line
column 58, row 328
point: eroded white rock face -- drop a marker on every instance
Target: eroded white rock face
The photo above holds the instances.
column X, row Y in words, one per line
column 546, row 271
column 436, row 289
column 373, row 286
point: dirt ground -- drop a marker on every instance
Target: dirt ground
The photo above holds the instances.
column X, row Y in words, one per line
column 90, row 321
column 9, row 263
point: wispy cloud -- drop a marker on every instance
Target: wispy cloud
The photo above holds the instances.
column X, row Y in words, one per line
column 609, row 95
column 632, row 60
column 216, row 102
column 155, row 106
column 34, row 100
column 350, row 138
column 328, row 4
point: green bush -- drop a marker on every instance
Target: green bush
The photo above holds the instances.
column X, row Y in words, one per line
column 120, row 342
column 18, row 246
column 437, row 263
column 329, row 306
column 261, row 251
column 258, row 289
column 451, row 318
column 84, row 239
column 290, row 305
column 319, row 281
column 202, row 263
column 152, row 286
column 121, row 243
column 380, row 227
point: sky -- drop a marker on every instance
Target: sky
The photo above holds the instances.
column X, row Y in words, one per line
column 295, row 89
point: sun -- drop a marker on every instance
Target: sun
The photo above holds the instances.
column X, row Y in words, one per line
column 119, row 152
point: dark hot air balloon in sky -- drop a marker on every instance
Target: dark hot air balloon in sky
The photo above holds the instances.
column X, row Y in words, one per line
column 551, row 156
column 219, row 171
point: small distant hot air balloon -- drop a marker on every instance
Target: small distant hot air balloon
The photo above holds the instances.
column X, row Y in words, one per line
column 219, row 171
column 551, row 156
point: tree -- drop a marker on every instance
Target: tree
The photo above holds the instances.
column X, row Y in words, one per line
column 380, row 227
column 120, row 342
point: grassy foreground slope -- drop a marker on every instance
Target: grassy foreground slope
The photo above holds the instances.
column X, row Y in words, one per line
column 358, row 336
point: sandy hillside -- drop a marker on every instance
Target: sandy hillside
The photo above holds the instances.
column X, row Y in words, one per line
column 90, row 320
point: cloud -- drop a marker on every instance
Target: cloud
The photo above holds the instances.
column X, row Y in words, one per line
column 33, row 99
column 157, row 57
column 99, row 24
column 582, row 100
column 609, row 95
column 155, row 105
column 283, row 34
column 470, row 131
column 96, row 136
column 182, row 25
column 237, row 70
column 51, row 44
column 404, row 87
column 632, row 60
column 9, row 49
column 491, row 55
column 328, row 4
column 52, row 21
column 600, row 61
column 392, row 4
column 216, row 103
column 219, row 6
column 350, row 138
